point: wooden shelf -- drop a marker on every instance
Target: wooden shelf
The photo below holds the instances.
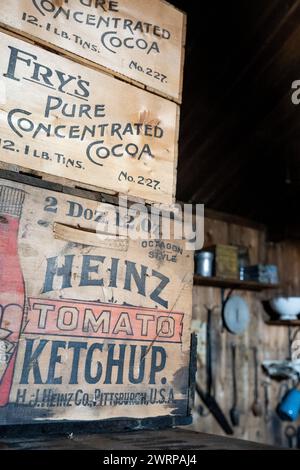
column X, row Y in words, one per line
column 283, row 322
column 232, row 283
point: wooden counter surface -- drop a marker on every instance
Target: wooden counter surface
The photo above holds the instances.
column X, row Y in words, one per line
column 171, row 439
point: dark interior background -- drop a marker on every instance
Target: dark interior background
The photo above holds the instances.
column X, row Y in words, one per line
column 239, row 132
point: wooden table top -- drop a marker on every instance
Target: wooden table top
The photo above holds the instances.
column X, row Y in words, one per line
column 168, row 439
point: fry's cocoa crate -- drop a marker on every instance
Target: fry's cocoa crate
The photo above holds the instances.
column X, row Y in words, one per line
column 76, row 126
column 92, row 326
column 141, row 41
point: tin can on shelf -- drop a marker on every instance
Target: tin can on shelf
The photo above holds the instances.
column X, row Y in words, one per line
column 204, row 263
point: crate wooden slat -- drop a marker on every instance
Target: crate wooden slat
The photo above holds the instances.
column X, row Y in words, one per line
column 121, row 139
column 80, row 311
column 138, row 40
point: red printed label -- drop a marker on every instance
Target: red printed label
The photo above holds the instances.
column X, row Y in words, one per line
column 99, row 320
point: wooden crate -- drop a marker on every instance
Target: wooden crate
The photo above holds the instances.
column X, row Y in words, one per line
column 121, row 139
column 138, row 40
column 91, row 328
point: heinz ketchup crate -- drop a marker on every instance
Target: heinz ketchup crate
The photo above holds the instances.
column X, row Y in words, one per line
column 141, row 41
column 93, row 326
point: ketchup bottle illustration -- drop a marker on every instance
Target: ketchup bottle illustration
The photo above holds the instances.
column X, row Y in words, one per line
column 12, row 290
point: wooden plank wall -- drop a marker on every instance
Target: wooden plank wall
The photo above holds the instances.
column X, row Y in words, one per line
column 271, row 341
column 287, row 256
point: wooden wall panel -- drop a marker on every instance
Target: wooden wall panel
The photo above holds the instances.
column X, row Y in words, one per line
column 287, row 256
column 271, row 341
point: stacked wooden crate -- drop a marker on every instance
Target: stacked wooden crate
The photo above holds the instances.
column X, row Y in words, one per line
column 91, row 327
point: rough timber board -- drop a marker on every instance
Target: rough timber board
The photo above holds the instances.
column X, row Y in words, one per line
column 141, row 40
column 112, row 118
column 51, row 286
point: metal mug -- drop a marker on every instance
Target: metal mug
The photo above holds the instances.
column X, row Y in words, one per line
column 204, row 263
column 289, row 408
